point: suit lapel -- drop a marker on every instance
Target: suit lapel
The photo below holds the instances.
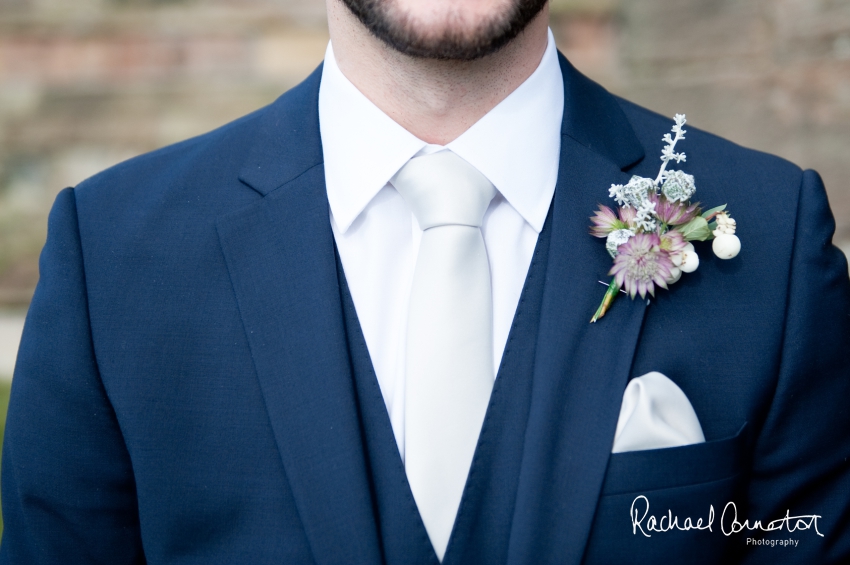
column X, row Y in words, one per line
column 581, row 369
column 280, row 255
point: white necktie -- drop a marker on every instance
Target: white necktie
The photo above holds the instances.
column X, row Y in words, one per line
column 449, row 358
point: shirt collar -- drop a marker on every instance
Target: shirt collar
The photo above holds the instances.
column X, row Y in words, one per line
column 516, row 145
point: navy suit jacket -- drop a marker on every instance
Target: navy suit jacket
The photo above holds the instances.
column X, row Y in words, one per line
column 183, row 391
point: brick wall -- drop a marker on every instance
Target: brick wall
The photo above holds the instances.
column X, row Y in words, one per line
column 85, row 84
column 768, row 74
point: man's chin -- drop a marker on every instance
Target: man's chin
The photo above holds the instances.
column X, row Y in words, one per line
column 456, row 38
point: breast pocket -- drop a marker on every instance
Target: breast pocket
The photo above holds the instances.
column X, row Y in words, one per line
column 686, row 486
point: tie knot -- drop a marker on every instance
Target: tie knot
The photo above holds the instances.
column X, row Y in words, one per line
column 442, row 189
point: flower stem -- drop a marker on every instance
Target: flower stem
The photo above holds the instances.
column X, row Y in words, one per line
column 665, row 161
column 607, row 300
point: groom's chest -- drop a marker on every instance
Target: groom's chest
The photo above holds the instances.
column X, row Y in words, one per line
column 180, row 365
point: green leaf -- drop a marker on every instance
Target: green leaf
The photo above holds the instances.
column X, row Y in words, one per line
column 695, row 230
column 708, row 214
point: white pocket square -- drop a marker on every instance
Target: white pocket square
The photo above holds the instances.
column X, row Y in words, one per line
column 655, row 413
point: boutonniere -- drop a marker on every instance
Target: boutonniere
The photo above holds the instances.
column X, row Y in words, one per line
column 649, row 236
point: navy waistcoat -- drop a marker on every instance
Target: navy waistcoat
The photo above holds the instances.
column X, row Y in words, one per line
column 482, row 528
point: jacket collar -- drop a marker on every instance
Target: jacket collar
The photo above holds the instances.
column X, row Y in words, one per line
column 287, row 138
column 288, row 141
column 593, row 119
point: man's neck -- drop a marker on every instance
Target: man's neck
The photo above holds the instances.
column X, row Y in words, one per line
column 434, row 100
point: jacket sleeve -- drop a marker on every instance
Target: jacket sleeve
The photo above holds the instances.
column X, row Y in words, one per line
column 800, row 462
column 67, row 483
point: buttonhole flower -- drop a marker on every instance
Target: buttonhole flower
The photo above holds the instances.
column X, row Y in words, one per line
column 673, row 242
column 649, row 237
column 617, row 238
column 671, row 213
column 678, row 186
column 641, row 265
column 627, row 216
column 605, row 221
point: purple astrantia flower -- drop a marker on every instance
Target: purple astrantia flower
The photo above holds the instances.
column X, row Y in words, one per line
column 641, row 264
column 604, row 222
column 673, row 242
column 675, row 213
column 627, row 216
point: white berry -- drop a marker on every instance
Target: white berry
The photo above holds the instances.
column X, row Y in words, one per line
column 726, row 246
column 690, row 259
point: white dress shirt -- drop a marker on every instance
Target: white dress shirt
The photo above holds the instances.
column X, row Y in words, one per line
column 516, row 146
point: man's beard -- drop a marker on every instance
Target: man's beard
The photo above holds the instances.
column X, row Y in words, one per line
column 449, row 45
